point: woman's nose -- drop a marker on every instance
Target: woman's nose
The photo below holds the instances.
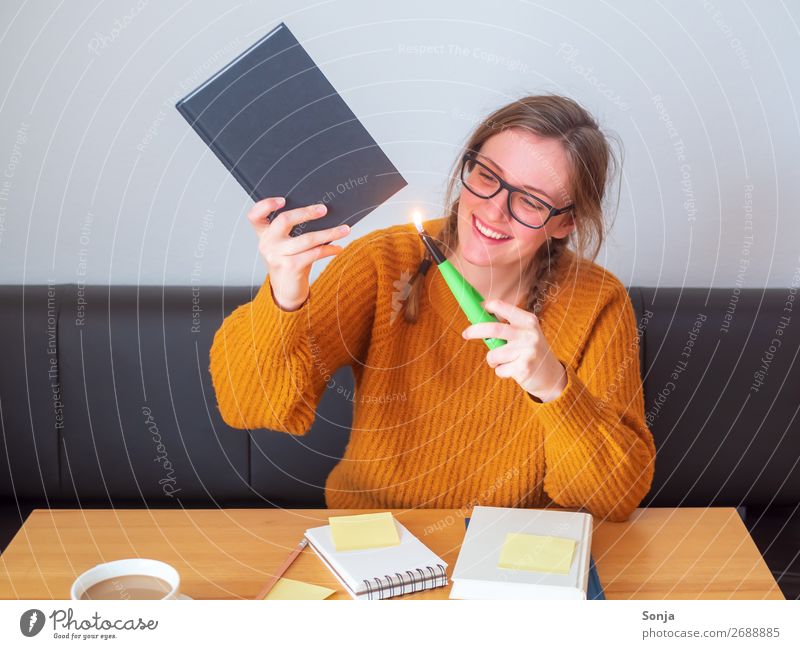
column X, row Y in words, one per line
column 498, row 206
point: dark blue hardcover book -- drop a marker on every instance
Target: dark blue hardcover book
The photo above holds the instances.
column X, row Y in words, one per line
column 279, row 126
column 594, row 589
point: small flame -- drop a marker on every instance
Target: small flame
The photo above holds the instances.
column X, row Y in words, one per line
column 417, row 217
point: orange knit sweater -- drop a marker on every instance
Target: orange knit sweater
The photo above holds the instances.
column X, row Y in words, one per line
column 433, row 425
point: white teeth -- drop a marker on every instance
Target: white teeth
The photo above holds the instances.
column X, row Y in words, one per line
column 489, row 233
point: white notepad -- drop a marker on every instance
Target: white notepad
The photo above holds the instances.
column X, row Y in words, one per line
column 379, row 573
column 477, row 576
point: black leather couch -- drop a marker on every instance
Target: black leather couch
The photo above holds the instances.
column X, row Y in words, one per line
column 106, row 401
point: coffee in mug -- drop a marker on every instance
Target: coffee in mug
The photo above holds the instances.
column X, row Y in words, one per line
column 128, row 587
column 128, row 579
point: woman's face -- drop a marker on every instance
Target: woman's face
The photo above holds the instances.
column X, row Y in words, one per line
column 527, row 161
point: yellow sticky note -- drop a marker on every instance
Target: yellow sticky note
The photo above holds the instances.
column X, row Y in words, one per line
column 363, row 531
column 292, row 589
column 537, row 553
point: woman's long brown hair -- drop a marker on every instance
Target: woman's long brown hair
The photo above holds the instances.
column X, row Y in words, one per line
column 592, row 163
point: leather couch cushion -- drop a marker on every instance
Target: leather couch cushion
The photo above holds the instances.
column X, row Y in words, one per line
column 719, row 442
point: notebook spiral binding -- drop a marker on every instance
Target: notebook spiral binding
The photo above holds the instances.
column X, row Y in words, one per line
column 398, row 584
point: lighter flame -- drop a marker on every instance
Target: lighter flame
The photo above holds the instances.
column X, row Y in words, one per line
column 417, row 217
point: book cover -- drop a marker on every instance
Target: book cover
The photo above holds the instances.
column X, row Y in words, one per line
column 281, row 129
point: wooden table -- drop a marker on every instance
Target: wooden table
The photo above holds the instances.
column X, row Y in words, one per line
column 686, row 553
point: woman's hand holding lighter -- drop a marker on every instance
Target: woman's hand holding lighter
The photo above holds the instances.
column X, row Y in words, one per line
column 526, row 357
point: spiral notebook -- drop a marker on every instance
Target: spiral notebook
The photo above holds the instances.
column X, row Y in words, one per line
column 380, row 573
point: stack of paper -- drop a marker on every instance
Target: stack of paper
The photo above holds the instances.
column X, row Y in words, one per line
column 511, row 553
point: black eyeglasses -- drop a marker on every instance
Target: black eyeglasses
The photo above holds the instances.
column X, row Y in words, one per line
column 526, row 208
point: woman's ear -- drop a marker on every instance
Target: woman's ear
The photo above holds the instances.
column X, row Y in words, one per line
column 565, row 227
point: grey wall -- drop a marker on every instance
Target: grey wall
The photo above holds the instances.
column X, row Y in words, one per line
column 102, row 181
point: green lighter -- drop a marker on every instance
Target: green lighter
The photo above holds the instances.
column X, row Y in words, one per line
column 468, row 298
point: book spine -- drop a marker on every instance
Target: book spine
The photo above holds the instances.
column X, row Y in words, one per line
column 404, row 583
column 183, row 108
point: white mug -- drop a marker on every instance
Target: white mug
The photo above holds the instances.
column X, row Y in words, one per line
column 126, row 567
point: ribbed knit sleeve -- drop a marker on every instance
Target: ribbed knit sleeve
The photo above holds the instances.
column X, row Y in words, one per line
column 269, row 367
column 599, row 453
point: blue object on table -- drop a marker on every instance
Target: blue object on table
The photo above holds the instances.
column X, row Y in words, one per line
column 594, row 589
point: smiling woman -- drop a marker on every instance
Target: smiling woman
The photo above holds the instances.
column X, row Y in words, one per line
column 438, row 421
column 539, row 176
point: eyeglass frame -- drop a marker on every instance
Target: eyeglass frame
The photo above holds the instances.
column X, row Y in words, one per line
column 553, row 211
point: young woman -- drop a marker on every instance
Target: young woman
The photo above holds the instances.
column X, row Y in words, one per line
column 554, row 417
